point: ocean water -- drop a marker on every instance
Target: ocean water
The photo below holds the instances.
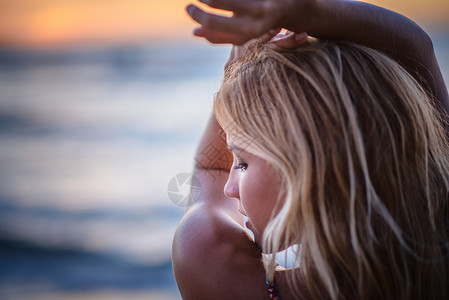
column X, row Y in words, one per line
column 89, row 140
column 90, row 137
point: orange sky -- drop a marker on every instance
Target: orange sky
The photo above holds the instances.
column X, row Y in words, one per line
column 61, row 21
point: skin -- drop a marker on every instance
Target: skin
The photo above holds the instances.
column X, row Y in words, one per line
column 213, row 256
column 359, row 22
column 256, row 185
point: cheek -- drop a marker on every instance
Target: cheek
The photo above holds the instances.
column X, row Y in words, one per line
column 259, row 196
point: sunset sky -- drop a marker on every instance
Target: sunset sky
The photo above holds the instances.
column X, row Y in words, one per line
column 31, row 22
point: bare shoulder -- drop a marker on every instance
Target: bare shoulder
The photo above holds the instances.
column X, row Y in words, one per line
column 214, row 258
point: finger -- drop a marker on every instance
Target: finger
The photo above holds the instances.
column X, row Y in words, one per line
column 270, row 34
column 286, row 42
column 290, row 40
column 217, row 37
column 236, row 6
column 223, row 38
column 301, row 38
column 235, row 25
column 282, row 37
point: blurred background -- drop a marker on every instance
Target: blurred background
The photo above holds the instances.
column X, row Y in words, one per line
column 101, row 105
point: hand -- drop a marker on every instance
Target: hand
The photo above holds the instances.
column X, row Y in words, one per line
column 251, row 18
column 236, row 51
column 288, row 40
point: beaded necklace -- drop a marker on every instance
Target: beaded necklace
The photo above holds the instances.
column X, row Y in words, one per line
column 272, row 290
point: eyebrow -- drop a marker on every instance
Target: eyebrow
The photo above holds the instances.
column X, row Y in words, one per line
column 234, row 148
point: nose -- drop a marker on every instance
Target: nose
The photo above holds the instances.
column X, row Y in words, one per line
column 231, row 188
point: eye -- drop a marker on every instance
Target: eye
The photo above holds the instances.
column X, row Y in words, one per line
column 242, row 166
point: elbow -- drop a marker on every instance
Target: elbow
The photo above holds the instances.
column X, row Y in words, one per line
column 426, row 42
column 421, row 44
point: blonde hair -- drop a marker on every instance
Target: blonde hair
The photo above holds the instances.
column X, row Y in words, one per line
column 365, row 165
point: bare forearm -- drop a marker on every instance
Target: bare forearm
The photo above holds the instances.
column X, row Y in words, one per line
column 212, row 164
column 355, row 21
column 212, row 153
column 379, row 28
column 362, row 23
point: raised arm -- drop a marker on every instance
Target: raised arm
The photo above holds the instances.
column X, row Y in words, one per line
column 389, row 32
column 359, row 22
column 213, row 161
column 213, row 256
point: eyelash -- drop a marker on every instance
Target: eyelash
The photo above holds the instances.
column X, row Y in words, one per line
column 241, row 166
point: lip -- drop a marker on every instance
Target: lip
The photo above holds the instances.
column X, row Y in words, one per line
column 249, row 224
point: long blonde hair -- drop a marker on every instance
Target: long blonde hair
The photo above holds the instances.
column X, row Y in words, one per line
column 365, row 165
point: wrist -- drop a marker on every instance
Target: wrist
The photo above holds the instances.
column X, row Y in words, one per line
column 306, row 16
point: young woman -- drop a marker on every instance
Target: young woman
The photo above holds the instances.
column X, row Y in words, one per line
column 335, row 146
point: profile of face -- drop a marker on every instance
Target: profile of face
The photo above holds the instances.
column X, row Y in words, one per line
column 323, row 155
column 257, row 186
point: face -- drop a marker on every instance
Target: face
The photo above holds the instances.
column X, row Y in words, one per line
column 256, row 184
